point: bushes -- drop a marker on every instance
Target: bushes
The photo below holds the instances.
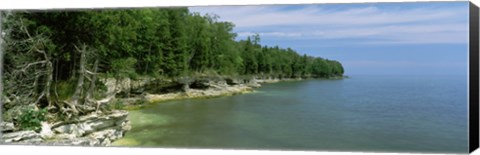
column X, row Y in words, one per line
column 118, row 105
column 64, row 89
column 30, row 119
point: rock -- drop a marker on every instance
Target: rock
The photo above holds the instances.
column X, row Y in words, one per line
column 84, row 141
column 92, row 123
column 20, row 136
column 126, row 126
column 106, row 142
column 93, row 130
column 104, row 134
column 65, row 129
column 253, row 83
column 65, row 136
column 231, row 81
column 46, row 131
column 81, row 142
column 6, row 127
column 33, row 141
column 125, row 86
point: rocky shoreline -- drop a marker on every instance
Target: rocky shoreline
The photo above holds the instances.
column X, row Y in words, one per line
column 210, row 89
column 90, row 130
column 200, row 88
column 101, row 129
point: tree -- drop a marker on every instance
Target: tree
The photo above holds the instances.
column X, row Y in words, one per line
column 47, row 53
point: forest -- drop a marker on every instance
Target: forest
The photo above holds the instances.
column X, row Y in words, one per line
column 53, row 59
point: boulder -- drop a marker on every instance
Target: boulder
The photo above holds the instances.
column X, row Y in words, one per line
column 46, row 131
column 92, row 123
column 20, row 136
column 6, row 127
column 82, row 141
column 253, row 83
column 92, row 130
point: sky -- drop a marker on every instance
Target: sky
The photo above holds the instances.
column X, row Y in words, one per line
column 367, row 38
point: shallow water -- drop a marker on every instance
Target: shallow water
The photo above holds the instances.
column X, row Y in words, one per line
column 362, row 113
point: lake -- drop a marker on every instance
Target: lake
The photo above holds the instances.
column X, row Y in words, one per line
column 362, row 113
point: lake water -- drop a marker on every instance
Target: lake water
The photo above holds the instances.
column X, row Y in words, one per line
column 361, row 113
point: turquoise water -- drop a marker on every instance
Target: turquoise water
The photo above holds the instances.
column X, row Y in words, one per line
column 362, row 113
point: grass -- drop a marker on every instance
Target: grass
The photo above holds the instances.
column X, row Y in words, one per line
column 65, row 89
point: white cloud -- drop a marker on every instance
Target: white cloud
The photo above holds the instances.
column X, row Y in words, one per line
column 413, row 64
column 380, row 26
column 427, row 33
column 254, row 16
column 271, row 34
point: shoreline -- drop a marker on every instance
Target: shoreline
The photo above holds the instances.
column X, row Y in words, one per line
column 217, row 91
column 214, row 89
column 102, row 129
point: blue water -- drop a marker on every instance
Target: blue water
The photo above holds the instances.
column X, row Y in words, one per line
column 361, row 113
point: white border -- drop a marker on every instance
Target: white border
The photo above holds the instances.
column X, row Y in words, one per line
column 77, row 4
column 76, row 150
column 72, row 4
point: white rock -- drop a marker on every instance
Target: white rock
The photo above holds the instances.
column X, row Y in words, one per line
column 106, row 142
column 65, row 128
column 46, row 131
column 19, row 136
column 6, row 126
column 65, row 136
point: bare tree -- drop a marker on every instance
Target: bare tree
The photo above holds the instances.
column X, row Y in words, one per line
column 29, row 73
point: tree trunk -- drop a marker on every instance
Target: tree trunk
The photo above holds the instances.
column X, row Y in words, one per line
column 94, row 79
column 81, row 75
column 74, row 101
column 48, row 82
column 1, row 69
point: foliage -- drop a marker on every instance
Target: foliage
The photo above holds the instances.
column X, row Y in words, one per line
column 42, row 61
column 124, row 67
column 166, row 42
column 64, row 89
column 118, row 105
column 31, row 119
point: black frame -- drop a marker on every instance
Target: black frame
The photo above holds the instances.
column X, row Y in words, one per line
column 473, row 78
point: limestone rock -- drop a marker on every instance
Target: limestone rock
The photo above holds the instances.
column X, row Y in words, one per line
column 83, row 141
column 253, row 83
column 6, row 127
column 46, row 131
column 20, row 136
column 33, row 141
column 92, row 130
column 65, row 136
column 65, row 129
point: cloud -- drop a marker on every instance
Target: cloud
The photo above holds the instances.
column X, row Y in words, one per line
column 366, row 63
column 417, row 34
column 377, row 25
column 272, row 34
column 254, row 16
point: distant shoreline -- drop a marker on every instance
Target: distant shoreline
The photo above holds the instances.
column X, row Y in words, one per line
column 215, row 88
